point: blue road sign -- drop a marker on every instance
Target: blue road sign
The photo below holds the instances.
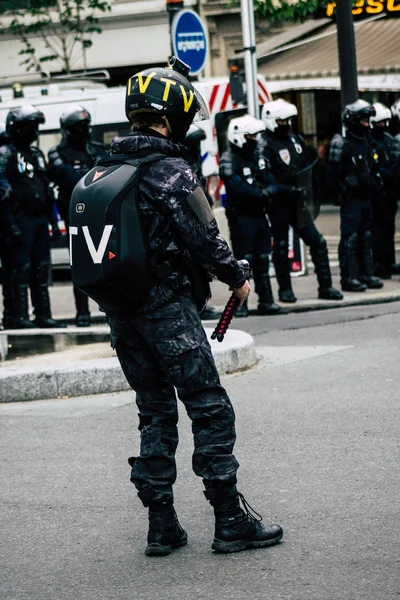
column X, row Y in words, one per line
column 189, row 40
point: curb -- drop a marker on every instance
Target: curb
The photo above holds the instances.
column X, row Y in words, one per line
column 362, row 299
column 100, row 376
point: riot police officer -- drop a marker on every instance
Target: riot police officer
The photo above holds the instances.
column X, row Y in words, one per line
column 68, row 162
column 288, row 157
column 385, row 202
column 29, row 202
column 249, row 188
column 160, row 343
column 353, row 176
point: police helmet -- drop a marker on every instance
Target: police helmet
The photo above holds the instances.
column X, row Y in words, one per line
column 17, row 118
column 241, row 126
column 167, row 92
column 356, row 112
column 74, row 115
column 277, row 110
column 382, row 114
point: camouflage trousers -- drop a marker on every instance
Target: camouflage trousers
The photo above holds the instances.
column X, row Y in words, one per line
column 162, row 351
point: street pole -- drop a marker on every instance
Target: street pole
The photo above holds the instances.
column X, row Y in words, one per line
column 250, row 59
column 347, row 52
column 173, row 7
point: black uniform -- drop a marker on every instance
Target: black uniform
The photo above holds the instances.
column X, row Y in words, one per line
column 67, row 164
column 353, row 176
column 287, row 155
column 29, row 207
column 385, row 203
column 163, row 344
column 249, row 187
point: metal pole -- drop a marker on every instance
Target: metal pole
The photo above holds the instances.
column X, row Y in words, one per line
column 250, row 59
column 347, row 52
column 173, row 7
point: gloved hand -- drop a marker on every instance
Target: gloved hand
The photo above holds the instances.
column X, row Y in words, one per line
column 269, row 193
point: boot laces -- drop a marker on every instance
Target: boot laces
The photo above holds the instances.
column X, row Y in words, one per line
column 250, row 512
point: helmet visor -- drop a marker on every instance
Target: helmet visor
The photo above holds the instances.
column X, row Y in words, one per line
column 203, row 112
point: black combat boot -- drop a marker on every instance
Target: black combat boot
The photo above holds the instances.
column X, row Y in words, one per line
column 82, row 318
column 41, row 300
column 262, row 281
column 238, row 528
column 18, row 317
column 282, row 272
column 165, row 532
column 320, row 258
column 367, row 276
column 351, row 282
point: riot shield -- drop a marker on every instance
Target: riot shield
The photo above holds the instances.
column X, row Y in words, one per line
column 307, row 206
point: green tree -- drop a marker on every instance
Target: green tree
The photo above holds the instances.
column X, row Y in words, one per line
column 65, row 27
column 289, row 10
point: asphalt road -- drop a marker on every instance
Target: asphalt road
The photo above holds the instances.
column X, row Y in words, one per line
column 318, row 443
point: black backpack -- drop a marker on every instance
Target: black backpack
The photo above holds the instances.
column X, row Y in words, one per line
column 108, row 252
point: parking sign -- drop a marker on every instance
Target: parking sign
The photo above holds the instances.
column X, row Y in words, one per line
column 189, row 40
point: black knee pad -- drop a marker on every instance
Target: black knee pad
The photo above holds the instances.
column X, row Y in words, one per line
column 263, row 260
column 281, row 249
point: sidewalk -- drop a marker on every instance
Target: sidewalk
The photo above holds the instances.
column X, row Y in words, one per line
column 94, row 369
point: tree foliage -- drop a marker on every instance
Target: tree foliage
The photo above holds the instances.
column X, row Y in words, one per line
column 289, row 10
column 65, row 27
column 294, row 10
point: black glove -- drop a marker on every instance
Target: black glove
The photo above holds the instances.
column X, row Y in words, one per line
column 269, row 193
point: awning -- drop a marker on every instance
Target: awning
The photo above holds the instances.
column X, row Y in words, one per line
column 293, row 33
column 378, row 53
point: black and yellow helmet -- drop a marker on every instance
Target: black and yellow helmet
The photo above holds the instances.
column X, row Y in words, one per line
column 168, row 92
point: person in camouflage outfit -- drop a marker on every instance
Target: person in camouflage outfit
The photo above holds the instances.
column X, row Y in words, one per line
column 162, row 346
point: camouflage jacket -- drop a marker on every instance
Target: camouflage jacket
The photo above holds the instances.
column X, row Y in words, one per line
column 177, row 219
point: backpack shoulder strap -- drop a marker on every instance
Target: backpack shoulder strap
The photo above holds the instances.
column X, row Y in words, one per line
column 113, row 159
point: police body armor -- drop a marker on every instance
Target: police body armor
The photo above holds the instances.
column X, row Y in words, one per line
column 362, row 176
column 107, row 244
column 291, row 167
column 26, row 172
